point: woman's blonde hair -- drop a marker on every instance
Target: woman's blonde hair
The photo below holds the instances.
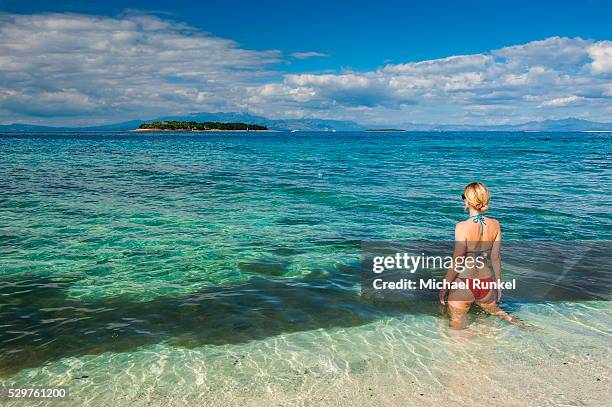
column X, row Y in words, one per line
column 477, row 196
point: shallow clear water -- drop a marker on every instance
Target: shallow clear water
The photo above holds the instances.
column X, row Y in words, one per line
column 158, row 259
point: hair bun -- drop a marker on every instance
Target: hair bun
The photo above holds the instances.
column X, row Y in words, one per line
column 477, row 196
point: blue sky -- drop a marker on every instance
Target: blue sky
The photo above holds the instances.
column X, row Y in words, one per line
column 64, row 61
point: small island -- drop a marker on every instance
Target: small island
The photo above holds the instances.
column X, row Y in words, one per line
column 199, row 126
column 384, row 130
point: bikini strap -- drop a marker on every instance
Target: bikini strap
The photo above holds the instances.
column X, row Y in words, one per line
column 479, row 218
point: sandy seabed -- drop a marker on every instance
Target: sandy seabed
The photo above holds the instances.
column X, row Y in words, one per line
column 412, row 360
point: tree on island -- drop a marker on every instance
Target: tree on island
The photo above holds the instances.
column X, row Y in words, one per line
column 192, row 126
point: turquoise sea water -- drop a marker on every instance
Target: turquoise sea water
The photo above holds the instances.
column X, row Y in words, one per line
column 164, row 256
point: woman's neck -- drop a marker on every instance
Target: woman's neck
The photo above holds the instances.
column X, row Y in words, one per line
column 474, row 212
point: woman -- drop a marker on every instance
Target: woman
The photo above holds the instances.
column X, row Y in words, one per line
column 477, row 242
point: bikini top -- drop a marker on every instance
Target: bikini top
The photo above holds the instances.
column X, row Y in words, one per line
column 479, row 218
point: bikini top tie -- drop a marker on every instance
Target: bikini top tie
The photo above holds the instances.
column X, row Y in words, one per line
column 479, row 218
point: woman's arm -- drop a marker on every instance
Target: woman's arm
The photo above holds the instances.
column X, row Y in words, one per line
column 496, row 261
column 460, row 249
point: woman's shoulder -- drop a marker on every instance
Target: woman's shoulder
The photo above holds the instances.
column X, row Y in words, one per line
column 491, row 221
column 461, row 224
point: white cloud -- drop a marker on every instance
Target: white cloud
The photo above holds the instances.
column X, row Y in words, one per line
column 459, row 63
column 564, row 101
column 601, row 54
column 554, row 52
column 68, row 102
column 112, row 66
column 524, row 77
column 311, row 54
column 141, row 66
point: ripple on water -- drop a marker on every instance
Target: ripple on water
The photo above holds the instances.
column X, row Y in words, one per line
column 223, row 268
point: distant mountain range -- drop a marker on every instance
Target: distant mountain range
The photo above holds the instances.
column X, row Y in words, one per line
column 569, row 124
column 280, row 125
